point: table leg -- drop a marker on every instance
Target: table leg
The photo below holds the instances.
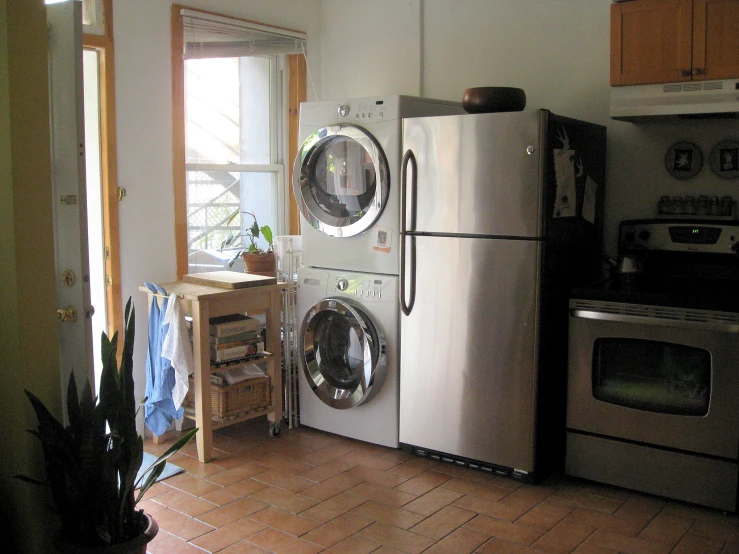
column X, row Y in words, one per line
column 201, row 353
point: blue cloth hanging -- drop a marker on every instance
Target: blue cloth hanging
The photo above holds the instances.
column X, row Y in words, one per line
column 159, row 410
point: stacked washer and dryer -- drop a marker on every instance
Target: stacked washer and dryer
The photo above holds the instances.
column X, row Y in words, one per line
column 346, row 182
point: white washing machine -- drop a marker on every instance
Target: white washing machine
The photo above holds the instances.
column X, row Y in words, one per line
column 348, row 352
column 346, row 179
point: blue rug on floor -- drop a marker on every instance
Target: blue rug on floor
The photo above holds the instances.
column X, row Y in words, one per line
column 169, row 469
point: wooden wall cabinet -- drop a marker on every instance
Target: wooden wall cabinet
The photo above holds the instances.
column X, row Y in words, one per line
column 667, row 41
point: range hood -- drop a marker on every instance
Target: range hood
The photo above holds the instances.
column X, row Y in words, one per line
column 691, row 99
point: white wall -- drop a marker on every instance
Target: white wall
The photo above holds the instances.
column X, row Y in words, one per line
column 369, row 48
column 558, row 51
column 144, row 134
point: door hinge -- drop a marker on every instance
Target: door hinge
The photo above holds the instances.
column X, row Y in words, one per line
column 109, row 281
column 121, row 194
column 107, row 253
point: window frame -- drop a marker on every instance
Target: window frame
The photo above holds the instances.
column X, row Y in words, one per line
column 292, row 92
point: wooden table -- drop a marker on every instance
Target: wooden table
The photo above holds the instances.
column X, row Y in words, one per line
column 203, row 302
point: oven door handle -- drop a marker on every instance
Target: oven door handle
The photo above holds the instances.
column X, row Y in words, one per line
column 709, row 325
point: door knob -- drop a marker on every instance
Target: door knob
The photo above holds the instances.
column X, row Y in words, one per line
column 68, row 314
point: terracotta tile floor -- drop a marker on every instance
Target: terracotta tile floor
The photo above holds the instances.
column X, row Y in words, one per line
column 308, row 491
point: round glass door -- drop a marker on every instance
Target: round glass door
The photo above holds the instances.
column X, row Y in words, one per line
column 342, row 353
column 341, row 180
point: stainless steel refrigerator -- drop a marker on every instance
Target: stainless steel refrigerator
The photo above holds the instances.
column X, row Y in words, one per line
column 501, row 215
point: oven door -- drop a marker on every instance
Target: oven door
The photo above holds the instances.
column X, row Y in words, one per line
column 341, row 180
column 655, row 375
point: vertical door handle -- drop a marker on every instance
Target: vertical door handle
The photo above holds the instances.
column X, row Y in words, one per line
column 408, row 157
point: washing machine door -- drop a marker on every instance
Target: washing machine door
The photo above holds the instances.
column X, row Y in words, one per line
column 341, row 180
column 342, row 352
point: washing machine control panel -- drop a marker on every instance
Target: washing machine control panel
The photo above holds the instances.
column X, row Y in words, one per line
column 365, row 288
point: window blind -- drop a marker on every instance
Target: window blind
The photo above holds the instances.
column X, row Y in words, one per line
column 212, row 36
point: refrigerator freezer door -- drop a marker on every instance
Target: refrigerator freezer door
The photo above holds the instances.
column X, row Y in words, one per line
column 469, row 350
column 477, row 174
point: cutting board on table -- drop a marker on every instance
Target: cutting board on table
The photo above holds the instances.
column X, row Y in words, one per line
column 229, row 279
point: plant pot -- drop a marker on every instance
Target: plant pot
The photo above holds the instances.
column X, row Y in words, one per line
column 137, row 545
column 260, row 264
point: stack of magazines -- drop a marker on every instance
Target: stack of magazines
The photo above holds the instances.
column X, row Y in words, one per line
column 234, row 336
column 236, row 374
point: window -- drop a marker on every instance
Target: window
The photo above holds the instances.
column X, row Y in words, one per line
column 231, row 99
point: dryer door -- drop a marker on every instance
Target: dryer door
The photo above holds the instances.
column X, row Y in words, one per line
column 343, row 353
column 341, row 180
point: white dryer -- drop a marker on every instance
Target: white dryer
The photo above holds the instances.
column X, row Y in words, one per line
column 348, row 353
column 346, row 179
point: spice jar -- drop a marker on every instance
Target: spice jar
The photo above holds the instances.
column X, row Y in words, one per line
column 701, row 205
column 678, row 205
column 713, row 206
column 726, row 206
column 689, row 207
column 664, row 206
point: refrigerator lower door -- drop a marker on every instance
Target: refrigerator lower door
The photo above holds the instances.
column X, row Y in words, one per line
column 468, row 379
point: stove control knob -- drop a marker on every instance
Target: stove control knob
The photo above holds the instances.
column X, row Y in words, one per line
column 629, row 237
column 342, row 284
column 735, row 248
column 644, row 235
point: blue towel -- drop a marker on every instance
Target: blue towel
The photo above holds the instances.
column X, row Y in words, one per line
column 159, row 410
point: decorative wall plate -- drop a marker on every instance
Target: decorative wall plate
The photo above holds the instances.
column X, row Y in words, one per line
column 683, row 160
column 724, row 159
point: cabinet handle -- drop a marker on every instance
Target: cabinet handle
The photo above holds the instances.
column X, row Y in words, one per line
column 685, row 73
column 698, row 71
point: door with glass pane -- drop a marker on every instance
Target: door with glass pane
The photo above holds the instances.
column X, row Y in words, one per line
column 341, row 180
column 343, row 353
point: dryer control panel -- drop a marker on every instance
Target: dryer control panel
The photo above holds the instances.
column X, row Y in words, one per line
column 361, row 111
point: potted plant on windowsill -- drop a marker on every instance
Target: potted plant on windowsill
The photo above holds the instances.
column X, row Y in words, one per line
column 257, row 260
column 91, row 464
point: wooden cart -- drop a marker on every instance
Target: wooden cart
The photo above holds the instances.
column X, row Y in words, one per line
column 203, row 302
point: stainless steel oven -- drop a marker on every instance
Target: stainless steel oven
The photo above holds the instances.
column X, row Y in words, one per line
column 653, row 387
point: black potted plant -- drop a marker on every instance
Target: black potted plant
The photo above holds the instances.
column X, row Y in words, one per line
column 91, row 464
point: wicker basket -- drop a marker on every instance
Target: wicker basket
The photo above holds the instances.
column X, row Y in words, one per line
column 229, row 400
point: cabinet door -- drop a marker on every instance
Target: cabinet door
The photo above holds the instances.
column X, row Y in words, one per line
column 716, row 45
column 651, row 41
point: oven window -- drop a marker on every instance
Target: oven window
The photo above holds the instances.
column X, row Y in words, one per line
column 653, row 376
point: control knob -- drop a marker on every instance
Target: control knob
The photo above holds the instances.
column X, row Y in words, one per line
column 644, row 235
column 735, row 248
column 342, row 284
column 343, row 110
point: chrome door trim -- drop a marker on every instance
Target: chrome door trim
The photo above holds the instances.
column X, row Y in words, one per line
column 373, row 345
column 326, row 223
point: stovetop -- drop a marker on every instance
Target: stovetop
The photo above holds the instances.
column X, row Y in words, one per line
column 692, row 265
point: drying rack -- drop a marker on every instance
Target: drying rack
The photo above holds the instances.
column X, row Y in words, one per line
column 289, row 255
